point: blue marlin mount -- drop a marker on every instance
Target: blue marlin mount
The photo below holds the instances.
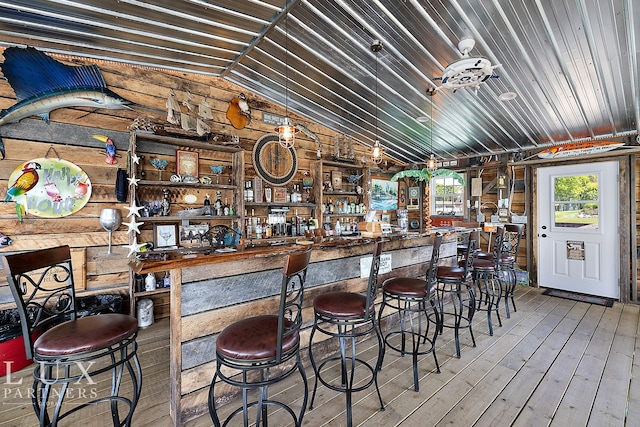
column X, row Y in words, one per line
column 42, row 84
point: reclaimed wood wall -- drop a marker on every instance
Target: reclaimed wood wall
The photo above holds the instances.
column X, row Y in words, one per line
column 70, row 134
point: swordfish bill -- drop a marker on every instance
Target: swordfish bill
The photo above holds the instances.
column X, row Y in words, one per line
column 42, row 84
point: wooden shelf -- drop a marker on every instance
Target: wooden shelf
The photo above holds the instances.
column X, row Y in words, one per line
column 149, row 293
column 149, row 183
column 340, row 193
column 345, row 214
column 276, row 204
column 188, row 218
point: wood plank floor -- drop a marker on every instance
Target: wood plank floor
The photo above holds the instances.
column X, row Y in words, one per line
column 555, row 362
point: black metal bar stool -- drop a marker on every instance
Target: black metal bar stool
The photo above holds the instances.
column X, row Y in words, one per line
column 487, row 281
column 71, row 350
column 348, row 316
column 253, row 353
column 454, row 281
column 409, row 296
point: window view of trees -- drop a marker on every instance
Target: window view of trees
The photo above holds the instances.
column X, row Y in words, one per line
column 448, row 196
column 576, row 201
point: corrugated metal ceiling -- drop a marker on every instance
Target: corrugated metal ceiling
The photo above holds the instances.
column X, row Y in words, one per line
column 573, row 64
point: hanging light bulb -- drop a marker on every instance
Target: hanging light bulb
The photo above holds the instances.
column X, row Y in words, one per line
column 376, row 150
column 432, row 164
column 286, row 131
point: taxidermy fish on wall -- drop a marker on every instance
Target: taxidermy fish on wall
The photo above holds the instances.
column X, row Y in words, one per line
column 42, row 84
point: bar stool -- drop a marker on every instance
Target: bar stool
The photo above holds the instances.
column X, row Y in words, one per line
column 70, row 349
column 409, row 297
column 454, row 281
column 487, row 281
column 348, row 316
column 250, row 352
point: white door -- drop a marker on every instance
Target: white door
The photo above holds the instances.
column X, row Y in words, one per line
column 578, row 242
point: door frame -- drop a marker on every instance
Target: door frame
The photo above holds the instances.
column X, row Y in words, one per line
column 625, row 220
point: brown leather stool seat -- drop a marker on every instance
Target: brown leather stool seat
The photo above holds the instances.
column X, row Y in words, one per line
column 341, row 304
column 409, row 297
column 452, row 273
column 347, row 316
column 85, row 334
column 254, row 338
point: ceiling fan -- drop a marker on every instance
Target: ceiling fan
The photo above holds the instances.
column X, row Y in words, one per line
column 468, row 71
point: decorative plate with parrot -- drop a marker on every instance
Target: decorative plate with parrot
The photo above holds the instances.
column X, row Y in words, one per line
column 48, row 188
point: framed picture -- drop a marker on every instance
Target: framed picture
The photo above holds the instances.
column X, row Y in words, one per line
column 414, row 198
column 194, row 235
column 384, row 195
column 165, row 236
column 336, row 180
column 187, row 163
column 279, row 194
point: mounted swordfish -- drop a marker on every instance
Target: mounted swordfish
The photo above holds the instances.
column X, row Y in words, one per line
column 42, row 84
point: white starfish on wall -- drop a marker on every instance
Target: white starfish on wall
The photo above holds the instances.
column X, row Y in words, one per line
column 133, row 225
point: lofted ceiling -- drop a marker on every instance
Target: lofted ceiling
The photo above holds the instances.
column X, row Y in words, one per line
column 573, row 64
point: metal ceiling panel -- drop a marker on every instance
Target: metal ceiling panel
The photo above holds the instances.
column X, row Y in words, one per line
column 572, row 63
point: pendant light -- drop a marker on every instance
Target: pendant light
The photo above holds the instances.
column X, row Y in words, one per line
column 432, row 164
column 286, row 131
column 376, row 150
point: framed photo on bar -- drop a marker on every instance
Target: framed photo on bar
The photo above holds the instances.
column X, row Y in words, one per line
column 165, row 236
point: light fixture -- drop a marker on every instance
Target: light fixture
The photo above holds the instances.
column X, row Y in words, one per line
column 432, row 164
column 468, row 72
column 376, row 150
column 286, row 131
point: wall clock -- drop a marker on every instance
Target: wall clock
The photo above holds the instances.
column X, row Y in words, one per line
column 274, row 163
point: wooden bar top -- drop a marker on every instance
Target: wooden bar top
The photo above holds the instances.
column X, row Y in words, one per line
column 192, row 260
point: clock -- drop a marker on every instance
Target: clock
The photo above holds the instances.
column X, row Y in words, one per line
column 274, row 163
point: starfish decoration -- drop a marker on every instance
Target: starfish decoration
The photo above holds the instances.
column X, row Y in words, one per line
column 133, row 225
column 133, row 210
column 133, row 181
column 134, row 247
column 135, row 158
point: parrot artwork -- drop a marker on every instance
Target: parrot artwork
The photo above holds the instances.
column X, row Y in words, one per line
column 110, row 148
column 25, row 182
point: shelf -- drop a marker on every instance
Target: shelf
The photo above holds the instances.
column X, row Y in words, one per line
column 340, row 193
column 186, row 142
column 150, row 183
column 345, row 215
column 276, row 204
column 149, row 293
column 188, row 218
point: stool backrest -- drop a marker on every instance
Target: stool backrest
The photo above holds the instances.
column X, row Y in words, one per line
column 511, row 239
column 433, row 264
column 372, row 286
column 498, row 247
column 42, row 285
column 294, row 276
column 468, row 253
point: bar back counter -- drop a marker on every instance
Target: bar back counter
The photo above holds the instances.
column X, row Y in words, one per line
column 209, row 292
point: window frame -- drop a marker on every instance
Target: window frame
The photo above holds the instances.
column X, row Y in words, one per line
column 434, row 196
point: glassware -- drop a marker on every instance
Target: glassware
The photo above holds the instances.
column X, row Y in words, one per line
column 217, row 170
column 110, row 219
column 159, row 164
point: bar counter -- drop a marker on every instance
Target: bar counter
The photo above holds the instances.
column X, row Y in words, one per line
column 208, row 292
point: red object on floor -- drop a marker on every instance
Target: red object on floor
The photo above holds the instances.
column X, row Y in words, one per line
column 13, row 356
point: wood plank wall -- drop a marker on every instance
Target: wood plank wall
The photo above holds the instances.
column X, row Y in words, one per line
column 70, row 134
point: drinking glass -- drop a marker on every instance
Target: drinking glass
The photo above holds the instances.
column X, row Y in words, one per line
column 110, row 219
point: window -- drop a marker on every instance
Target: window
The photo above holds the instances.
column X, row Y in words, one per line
column 447, row 196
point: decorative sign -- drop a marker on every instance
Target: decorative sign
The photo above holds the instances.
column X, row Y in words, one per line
column 365, row 265
column 272, row 119
column 55, row 187
column 384, row 195
column 575, row 250
column 274, row 163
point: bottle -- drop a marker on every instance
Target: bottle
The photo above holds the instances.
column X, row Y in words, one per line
column 150, row 282
column 225, row 207
column 207, row 204
column 338, row 228
column 266, row 230
column 165, row 205
column 330, row 208
column 258, row 229
column 250, row 191
column 166, row 280
column 217, row 205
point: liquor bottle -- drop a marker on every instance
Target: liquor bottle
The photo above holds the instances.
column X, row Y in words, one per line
column 330, row 208
column 250, row 191
column 338, row 228
column 258, row 229
column 225, row 207
column 217, row 205
column 207, row 204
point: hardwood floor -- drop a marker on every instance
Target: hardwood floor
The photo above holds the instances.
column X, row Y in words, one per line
column 555, row 362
